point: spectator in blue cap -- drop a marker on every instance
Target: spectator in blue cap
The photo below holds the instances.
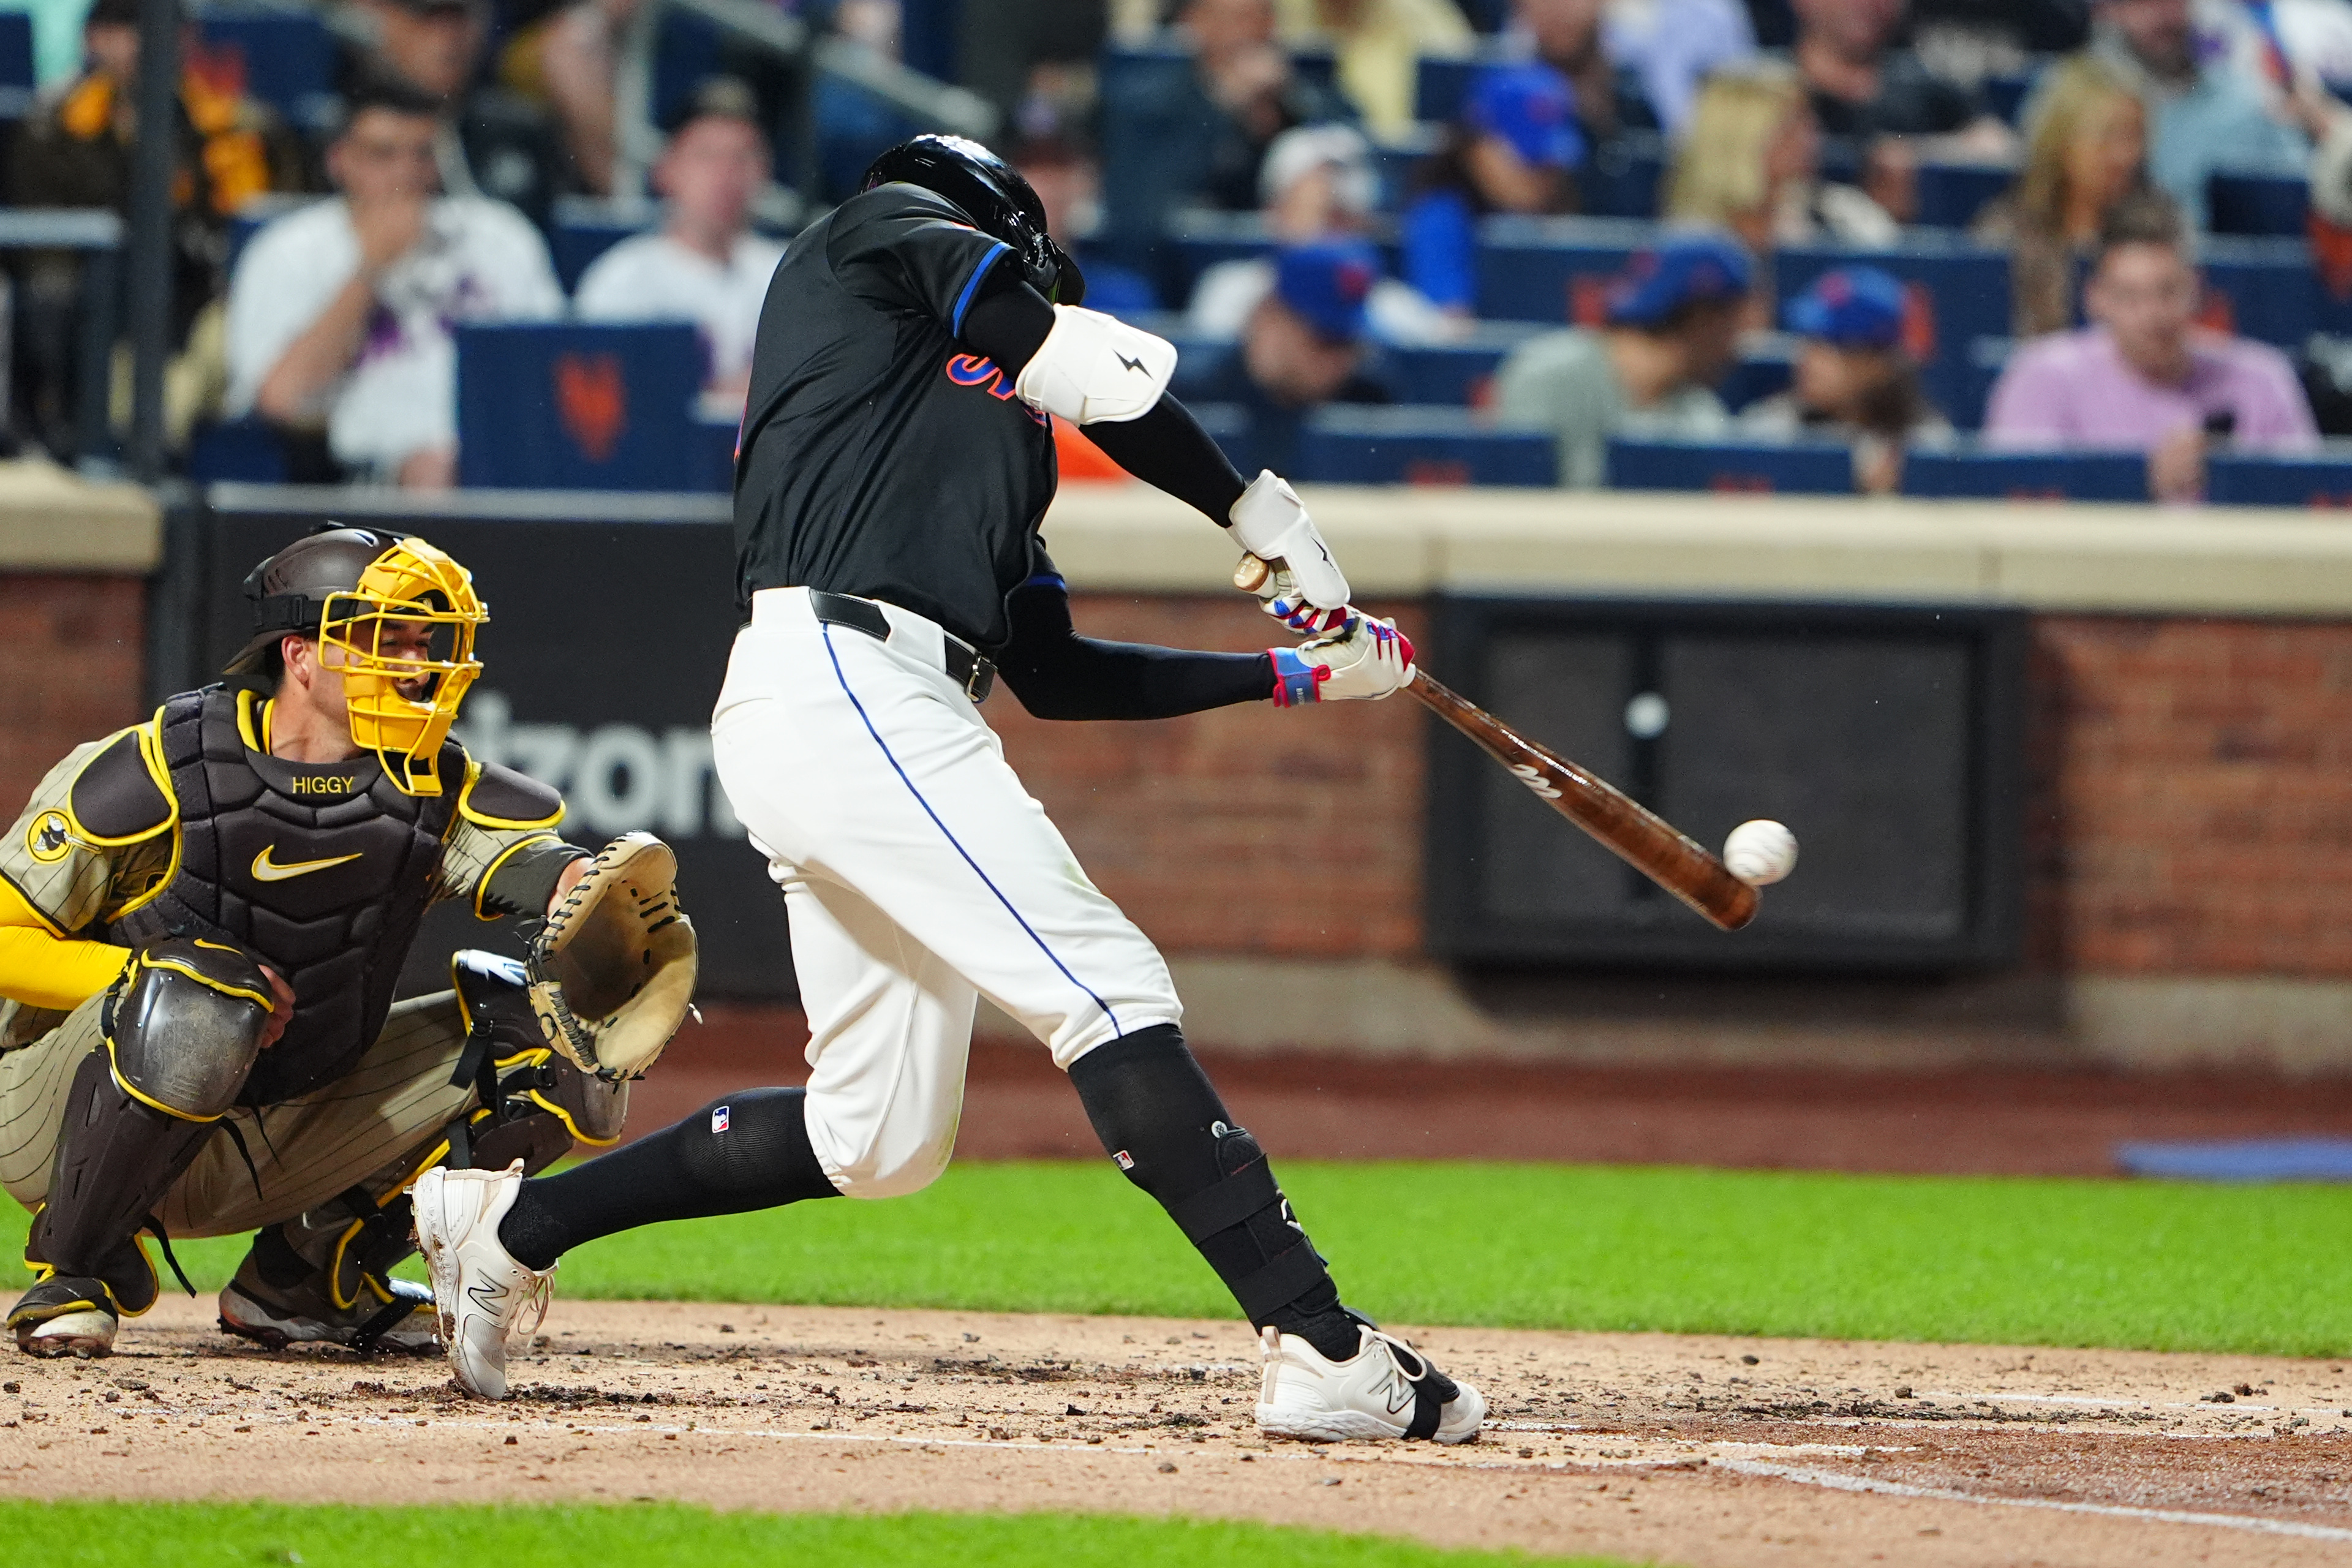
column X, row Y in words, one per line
column 1853, row 381
column 1306, row 345
column 1672, row 330
column 1515, row 148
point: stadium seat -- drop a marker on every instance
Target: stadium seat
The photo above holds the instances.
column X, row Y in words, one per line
column 286, row 56
column 585, row 229
column 1966, row 383
column 1354, row 444
column 1744, row 468
column 16, row 50
column 1440, row 84
column 2258, row 202
column 2027, row 476
column 2005, row 92
column 1553, row 271
column 2250, row 480
column 565, row 405
column 1951, row 194
column 1763, row 371
column 1200, row 237
column 238, row 449
column 1456, row 373
column 2265, row 289
column 1625, row 178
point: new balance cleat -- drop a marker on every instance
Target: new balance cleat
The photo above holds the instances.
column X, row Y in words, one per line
column 1386, row 1391
column 480, row 1292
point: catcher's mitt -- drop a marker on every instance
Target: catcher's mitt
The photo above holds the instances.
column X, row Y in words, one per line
column 612, row 971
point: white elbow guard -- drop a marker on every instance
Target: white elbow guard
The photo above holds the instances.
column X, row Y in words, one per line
column 1094, row 368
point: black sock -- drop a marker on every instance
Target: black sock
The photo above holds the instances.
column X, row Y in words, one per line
column 1158, row 1115
column 749, row 1151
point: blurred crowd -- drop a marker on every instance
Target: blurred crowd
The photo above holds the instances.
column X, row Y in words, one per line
column 1356, row 152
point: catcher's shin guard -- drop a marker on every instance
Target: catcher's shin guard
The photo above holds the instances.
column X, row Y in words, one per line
column 116, row 1158
column 530, row 1104
column 1159, row 1117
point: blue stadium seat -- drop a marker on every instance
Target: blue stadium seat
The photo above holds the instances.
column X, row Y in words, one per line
column 1440, row 83
column 1553, row 271
column 287, row 54
column 2265, row 289
column 2249, row 479
column 1626, row 177
column 566, row 406
column 1965, row 386
column 2005, row 92
column 2258, row 202
column 16, row 50
column 1354, row 445
column 1957, row 293
column 1743, row 468
column 1951, row 194
column 584, row 230
column 245, row 450
column 1761, row 373
column 1456, row 373
column 1199, row 239
column 2027, row 476
column 686, row 53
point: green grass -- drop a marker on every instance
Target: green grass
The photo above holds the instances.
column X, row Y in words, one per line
column 202, row 1535
column 2146, row 1265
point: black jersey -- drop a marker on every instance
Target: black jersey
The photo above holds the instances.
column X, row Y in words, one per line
column 880, row 456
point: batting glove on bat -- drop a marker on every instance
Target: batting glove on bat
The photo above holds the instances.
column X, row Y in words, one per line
column 1271, row 524
column 1366, row 660
column 612, row 970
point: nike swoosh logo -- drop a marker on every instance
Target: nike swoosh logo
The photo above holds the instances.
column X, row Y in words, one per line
column 265, row 870
column 1131, row 363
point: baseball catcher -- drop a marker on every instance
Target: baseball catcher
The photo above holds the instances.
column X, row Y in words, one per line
column 202, row 921
column 897, row 454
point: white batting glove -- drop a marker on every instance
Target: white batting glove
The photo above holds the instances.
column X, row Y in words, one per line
column 1366, row 660
column 1271, row 524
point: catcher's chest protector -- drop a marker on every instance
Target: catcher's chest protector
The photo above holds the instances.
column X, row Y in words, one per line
column 320, row 870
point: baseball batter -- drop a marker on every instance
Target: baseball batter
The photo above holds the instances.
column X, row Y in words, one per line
column 896, row 456
column 202, row 919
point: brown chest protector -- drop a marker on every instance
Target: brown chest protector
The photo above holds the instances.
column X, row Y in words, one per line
column 321, row 871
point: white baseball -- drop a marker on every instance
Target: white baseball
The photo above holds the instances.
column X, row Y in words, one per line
column 1759, row 852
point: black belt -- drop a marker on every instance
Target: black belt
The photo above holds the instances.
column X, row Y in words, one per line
column 965, row 664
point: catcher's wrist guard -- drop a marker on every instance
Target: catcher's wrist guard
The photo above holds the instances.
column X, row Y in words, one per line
column 612, row 970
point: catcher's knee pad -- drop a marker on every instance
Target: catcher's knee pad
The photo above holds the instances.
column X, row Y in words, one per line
column 1161, row 1118
column 531, row 1104
column 183, row 1029
column 117, row 1157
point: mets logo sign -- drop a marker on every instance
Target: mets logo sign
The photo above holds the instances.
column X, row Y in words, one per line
column 972, row 369
column 592, row 400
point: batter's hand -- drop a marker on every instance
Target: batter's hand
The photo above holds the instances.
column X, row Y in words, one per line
column 1271, row 524
column 1364, row 661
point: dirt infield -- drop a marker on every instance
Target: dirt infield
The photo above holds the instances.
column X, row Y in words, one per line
column 1700, row 1451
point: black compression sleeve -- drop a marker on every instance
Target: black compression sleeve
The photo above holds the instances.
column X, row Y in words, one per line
column 1058, row 673
column 1166, row 449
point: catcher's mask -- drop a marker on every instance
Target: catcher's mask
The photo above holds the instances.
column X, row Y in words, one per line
column 395, row 617
column 996, row 197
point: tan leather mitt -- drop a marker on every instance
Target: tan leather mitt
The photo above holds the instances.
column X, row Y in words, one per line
column 612, row 971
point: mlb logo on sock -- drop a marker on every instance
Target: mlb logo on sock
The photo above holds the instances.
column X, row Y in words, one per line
column 1126, row 1160
column 719, row 1119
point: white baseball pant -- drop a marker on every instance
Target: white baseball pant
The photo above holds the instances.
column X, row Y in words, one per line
column 918, row 874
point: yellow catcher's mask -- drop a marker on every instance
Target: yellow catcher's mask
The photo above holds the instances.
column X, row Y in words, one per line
column 403, row 640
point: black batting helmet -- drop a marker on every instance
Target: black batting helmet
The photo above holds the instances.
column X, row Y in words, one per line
column 994, row 194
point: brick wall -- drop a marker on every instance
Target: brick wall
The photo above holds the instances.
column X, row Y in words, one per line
column 2190, row 807
column 72, row 652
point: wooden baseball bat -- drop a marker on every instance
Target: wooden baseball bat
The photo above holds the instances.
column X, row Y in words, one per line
column 1643, row 840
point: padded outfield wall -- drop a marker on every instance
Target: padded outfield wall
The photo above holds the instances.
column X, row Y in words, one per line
column 2185, row 811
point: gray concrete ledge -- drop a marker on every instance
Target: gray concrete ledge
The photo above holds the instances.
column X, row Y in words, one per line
column 53, row 521
column 1404, row 542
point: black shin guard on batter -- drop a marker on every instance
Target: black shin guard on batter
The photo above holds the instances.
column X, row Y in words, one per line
column 1158, row 1115
column 116, row 1158
column 749, row 1150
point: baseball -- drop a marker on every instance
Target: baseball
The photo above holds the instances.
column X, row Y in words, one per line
column 1761, row 852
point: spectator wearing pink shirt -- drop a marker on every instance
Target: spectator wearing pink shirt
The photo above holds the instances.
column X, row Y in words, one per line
column 2143, row 375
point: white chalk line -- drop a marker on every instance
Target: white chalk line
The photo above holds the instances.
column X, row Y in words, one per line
column 1834, row 1481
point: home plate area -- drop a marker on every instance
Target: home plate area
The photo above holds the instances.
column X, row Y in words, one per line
column 1681, row 1449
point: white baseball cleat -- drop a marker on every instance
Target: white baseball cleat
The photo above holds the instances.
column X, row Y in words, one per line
column 1387, row 1390
column 479, row 1289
